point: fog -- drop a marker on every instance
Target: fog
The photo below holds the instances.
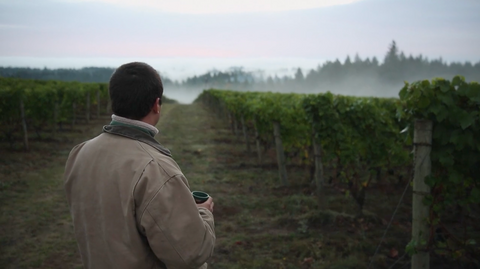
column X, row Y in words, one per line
column 357, row 77
column 184, row 79
column 178, row 68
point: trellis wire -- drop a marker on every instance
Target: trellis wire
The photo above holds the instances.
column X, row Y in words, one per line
column 388, row 226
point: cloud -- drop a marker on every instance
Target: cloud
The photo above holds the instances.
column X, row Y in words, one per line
column 223, row 6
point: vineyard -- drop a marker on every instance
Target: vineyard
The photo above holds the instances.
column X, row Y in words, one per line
column 425, row 143
column 360, row 141
column 44, row 107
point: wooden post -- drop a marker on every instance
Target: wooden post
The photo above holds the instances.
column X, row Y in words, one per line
column 98, row 103
column 55, row 119
column 24, row 125
column 282, row 170
column 257, row 140
column 226, row 113
column 319, row 178
column 87, row 110
column 218, row 110
column 235, row 126
column 245, row 135
column 109, row 106
column 74, row 111
column 422, row 140
column 230, row 117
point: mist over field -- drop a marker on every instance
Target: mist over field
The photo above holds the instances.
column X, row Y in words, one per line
column 349, row 86
column 357, row 77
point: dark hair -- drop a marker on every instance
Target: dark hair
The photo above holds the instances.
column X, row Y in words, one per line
column 133, row 89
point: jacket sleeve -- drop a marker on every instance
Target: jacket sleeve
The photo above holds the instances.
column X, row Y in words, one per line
column 180, row 234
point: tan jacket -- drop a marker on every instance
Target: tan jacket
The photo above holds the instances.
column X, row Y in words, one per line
column 132, row 206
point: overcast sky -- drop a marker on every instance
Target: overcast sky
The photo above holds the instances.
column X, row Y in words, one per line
column 193, row 34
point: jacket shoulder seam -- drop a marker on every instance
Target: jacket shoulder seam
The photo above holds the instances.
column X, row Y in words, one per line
column 155, row 195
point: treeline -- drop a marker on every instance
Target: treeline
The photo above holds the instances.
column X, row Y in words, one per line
column 355, row 76
column 85, row 75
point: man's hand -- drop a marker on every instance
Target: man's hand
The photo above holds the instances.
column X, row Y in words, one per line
column 207, row 204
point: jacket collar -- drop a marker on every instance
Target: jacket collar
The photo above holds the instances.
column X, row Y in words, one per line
column 143, row 126
column 133, row 133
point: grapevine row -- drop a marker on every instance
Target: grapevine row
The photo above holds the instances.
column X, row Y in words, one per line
column 450, row 187
column 37, row 105
column 362, row 136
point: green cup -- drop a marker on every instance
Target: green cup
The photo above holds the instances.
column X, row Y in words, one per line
column 200, row 196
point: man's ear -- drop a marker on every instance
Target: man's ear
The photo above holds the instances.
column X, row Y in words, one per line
column 156, row 106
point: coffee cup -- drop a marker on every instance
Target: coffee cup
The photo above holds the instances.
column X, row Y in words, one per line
column 200, row 196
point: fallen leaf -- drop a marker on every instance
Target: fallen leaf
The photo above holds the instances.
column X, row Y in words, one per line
column 308, row 260
column 393, row 253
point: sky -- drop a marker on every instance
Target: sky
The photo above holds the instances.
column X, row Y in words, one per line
column 185, row 37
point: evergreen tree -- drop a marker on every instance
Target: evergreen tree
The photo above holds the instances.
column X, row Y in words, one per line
column 299, row 76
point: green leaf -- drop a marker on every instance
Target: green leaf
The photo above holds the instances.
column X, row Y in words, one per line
column 475, row 195
column 446, row 98
column 411, row 247
column 403, row 92
column 444, row 87
column 457, row 80
column 465, row 120
column 456, row 137
column 423, row 102
column 430, row 181
column 428, row 200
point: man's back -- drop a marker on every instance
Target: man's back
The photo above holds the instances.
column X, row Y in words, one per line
column 132, row 207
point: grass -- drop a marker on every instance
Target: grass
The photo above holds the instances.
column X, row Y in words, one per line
column 36, row 229
column 259, row 223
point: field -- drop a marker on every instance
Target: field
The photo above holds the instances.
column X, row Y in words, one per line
column 258, row 223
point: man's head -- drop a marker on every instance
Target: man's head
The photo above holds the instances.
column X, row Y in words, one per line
column 134, row 89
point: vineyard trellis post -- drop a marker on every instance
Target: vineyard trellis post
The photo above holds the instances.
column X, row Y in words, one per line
column 87, row 110
column 235, row 127
column 231, row 120
column 422, row 140
column 74, row 115
column 55, row 119
column 282, row 170
column 257, row 141
column 319, row 178
column 98, row 103
column 24, row 125
column 245, row 134
column 109, row 106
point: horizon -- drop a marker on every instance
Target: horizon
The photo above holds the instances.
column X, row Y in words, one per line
column 175, row 68
column 182, row 39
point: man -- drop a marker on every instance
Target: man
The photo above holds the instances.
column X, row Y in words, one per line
column 130, row 203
